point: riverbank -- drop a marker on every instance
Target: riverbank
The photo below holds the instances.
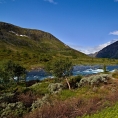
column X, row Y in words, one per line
column 40, row 74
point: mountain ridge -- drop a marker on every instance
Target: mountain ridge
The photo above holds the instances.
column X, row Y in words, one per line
column 22, row 44
column 110, row 51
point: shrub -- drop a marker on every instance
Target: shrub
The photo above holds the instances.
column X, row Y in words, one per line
column 74, row 80
column 55, row 87
column 6, row 97
column 39, row 102
column 27, row 98
column 30, row 83
column 40, row 88
column 115, row 74
column 94, row 80
column 13, row 110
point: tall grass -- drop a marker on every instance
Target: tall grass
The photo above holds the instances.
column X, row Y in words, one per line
column 111, row 112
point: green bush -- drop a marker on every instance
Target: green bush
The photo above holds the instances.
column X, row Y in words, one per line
column 74, row 80
column 39, row 102
column 115, row 74
column 13, row 110
column 94, row 80
column 40, row 88
column 55, row 87
column 6, row 97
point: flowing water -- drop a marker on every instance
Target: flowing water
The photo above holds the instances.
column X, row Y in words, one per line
column 77, row 70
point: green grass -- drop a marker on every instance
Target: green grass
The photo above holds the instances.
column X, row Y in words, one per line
column 38, row 48
column 40, row 88
column 65, row 94
column 111, row 112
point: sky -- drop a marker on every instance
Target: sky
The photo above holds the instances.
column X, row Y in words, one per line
column 85, row 25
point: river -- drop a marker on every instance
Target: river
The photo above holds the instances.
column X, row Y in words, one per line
column 77, row 70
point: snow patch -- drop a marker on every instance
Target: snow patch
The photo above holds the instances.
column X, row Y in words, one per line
column 18, row 34
column 23, row 35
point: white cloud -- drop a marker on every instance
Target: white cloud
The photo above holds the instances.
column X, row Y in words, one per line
column 115, row 0
column 114, row 33
column 89, row 50
column 51, row 1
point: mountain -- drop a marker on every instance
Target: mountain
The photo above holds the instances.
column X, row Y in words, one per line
column 93, row 54
column 32, row 46
column 111, row 51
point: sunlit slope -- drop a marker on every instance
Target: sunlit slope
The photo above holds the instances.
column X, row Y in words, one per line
column 32, row 46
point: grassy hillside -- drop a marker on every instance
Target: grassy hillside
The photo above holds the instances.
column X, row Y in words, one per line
column 28, row 46
column 33, row 48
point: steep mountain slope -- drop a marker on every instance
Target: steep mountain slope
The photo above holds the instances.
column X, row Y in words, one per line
column 110, row 51
column 20, row 37
column 21, row 44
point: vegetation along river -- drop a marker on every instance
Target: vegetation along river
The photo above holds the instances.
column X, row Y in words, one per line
column 77, row 70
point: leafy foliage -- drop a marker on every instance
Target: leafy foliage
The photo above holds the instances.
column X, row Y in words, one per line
column 94, row 80
column 74, row 80
column 115, row 74
column 40, row 102
column 61, row 68
column 40, row 88
column 6, row 97
column 13, row 110
column 11, row 70
column 55, row 87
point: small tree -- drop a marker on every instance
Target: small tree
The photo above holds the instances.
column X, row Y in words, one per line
column 13, row 70
column 105, row 68
column 19, row 71
column 9, row 67
column 61, row 68
column 4, row 78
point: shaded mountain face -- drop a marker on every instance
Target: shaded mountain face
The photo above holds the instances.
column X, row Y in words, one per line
column 110, row 51
column 21, row 44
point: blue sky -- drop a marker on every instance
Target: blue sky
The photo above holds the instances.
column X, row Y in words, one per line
column 85, row 25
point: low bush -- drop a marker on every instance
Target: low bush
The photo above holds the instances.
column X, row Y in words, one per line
column 115, row 74
column 6, row 97
column 73, row 107
column 26, row 98
column 55, row 87
column 95, row 80
column 40, row 88
column 30, row 83
column 40, row 102
column 74, row 80
column 13, row 110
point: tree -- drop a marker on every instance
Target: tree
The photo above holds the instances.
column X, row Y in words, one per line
column 9, row 68
column 104, row 68
column 14, row 70
column 61, row 68
column 19, row 71
column 4, row 78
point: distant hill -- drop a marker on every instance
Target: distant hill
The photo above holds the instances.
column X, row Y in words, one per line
column 111, row 51
column 93, row 54
column 32, row 46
